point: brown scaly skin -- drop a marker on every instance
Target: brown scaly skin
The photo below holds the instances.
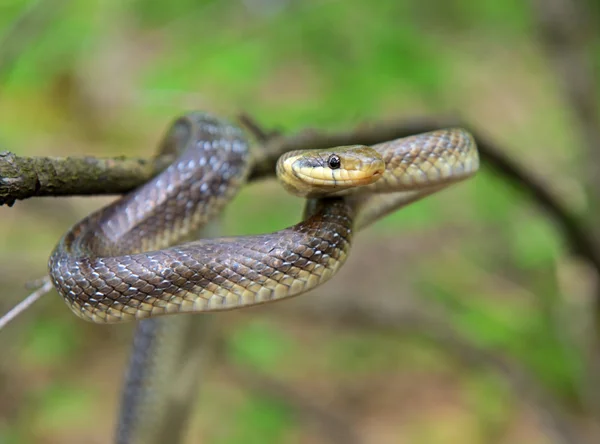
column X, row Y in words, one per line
column 118, row 264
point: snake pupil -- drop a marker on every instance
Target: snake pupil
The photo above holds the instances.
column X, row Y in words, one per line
column 334, row 162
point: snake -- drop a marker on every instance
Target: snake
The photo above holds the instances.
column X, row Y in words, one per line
column 139, row 258
column 133, row 260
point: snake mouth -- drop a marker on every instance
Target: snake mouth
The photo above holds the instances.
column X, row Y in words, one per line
column 340, row 178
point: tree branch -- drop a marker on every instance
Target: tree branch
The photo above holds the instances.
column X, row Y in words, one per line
column 254, row 128
column 25, row 177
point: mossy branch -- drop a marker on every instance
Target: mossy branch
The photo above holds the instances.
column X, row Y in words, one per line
column 25, row 177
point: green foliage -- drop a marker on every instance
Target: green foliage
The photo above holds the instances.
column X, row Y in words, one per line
column 63, row 405
column 261, row 345
column 260, row 420
column 49, row 342
column 58, row 49
column 326, row 64
column 151, row 13
column 534, row 243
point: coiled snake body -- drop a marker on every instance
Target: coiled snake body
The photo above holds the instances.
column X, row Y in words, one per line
column 130, row 260
column 120, row 264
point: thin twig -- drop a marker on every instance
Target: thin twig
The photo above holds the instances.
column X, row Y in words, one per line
column 27, row 302
column 578, row 236
column 254, row 128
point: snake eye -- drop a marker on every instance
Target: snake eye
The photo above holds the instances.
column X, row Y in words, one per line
column 334, row 162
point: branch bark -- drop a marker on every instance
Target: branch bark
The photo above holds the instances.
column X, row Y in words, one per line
column 25, row 177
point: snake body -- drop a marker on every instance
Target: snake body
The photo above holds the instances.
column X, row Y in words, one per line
column 123, row 262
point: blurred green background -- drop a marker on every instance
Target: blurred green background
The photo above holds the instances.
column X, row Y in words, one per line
column 107, row 77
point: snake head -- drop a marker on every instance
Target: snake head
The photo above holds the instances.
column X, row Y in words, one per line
column 329, row 172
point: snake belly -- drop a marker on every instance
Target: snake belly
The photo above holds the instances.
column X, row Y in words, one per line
column 119, row 263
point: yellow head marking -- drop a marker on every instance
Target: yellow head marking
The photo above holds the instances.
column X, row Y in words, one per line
column 319, row 173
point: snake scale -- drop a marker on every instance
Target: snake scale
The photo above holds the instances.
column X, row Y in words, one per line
column 120, row 264
column 136, row 258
